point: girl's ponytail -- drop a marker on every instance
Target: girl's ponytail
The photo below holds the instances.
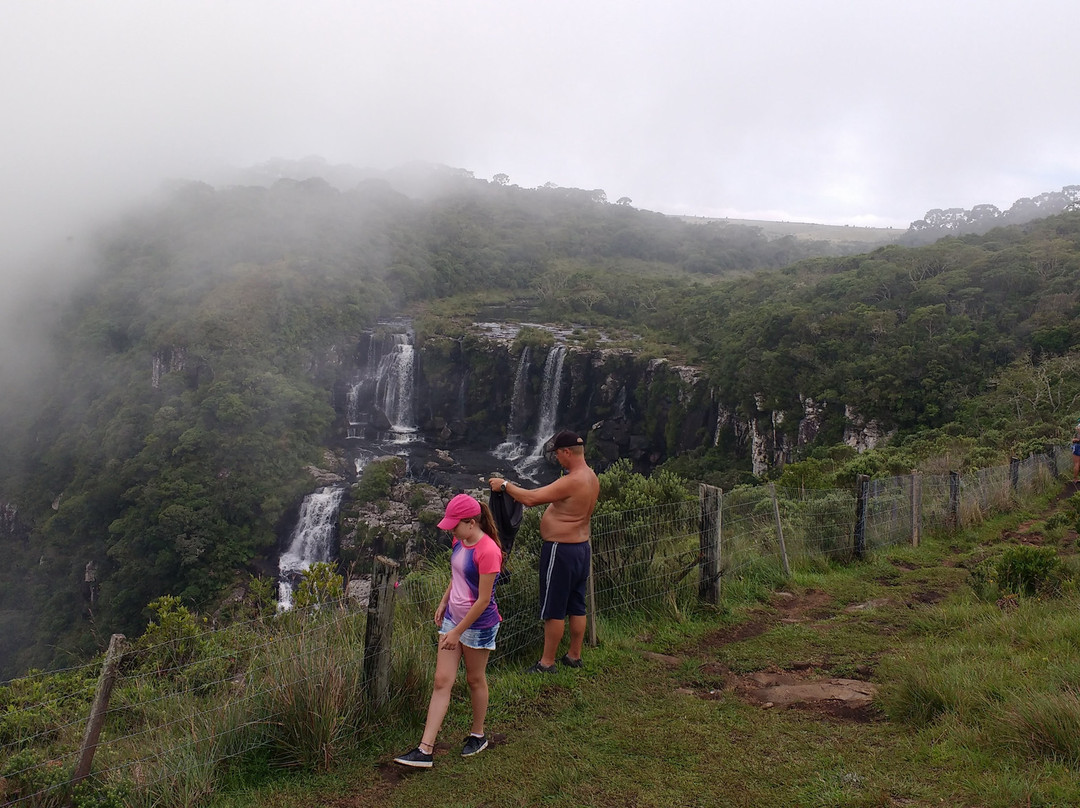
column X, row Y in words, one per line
column 486, row 520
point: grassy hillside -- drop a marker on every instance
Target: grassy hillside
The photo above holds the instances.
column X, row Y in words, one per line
column 836, row 234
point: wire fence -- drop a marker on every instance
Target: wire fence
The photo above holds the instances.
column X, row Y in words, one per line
column 297, row 689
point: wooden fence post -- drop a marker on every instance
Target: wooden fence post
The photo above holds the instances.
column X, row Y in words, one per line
column 99, row 709
column 380, row 630
column 916, row 508
column 1014, row 473
column 861, row 484
column 710, row 536
column 779, row 529
column 953, row 519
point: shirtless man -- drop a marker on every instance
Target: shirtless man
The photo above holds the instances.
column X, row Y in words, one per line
column 565, row 553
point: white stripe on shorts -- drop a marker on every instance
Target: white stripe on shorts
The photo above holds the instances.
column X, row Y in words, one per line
column 547, row 578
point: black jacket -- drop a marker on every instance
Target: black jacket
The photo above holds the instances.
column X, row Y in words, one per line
column 507, row 512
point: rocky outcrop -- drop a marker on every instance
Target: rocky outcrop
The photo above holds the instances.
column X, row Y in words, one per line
column 332, row 470
column 167, row 360
column 10, row 525
column 862, row 434
column 387, row 514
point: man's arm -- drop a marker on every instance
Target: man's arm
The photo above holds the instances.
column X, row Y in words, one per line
column 560, row 489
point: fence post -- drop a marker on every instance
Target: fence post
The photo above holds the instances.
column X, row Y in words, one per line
column 861, row 484
column 916, row 508
column 1014, row 473
column 779, row 529
column 379, row 631
column 99, row 709
column 954, row 500
column 710, row 536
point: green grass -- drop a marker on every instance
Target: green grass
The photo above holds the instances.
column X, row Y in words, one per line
column 977, row 705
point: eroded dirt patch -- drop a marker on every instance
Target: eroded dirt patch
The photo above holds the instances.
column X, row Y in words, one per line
column 1025, row 534
column 799, row 688
column 844, row 699
column 927, row 597
column 784, row 607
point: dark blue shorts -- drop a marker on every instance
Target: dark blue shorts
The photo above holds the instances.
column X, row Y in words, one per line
column 1076, row 448
column 564, row 576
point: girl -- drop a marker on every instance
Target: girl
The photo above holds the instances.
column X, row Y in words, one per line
column 469, row 620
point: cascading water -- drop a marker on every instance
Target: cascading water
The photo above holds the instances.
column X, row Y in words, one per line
column 394, row 387
column 311, row 541
column 514, row 447
column 549, row 409
column 386, row 387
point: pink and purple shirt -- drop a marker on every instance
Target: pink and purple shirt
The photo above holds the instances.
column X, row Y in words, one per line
column 467, row 564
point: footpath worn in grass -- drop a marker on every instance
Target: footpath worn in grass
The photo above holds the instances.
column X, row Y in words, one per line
column 976, row 701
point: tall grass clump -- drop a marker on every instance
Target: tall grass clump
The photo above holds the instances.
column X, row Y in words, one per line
column 1041, row 725
column 310, row 688
column 817, row 524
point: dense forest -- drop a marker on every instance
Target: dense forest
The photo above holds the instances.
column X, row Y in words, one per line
column 121, row 482
column 939, row 222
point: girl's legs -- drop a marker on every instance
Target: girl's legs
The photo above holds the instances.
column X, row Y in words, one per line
column 1076, row 468
column 476, row 660
column 446, row 666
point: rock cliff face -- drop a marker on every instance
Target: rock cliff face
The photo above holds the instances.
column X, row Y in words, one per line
column 479, row 389
column 10, row 524
column 646, row 410
column 467, row 395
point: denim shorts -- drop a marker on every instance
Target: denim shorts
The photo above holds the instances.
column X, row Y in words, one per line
column 481, row 638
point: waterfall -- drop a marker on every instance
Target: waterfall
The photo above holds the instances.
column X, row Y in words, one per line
column 394, row 388
column 311, row 541
column 549, row 397
column 549, row 407
column 386, row 385
column 513, row 448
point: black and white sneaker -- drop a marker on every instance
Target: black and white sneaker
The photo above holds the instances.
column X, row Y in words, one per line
column 571, row 663
column 417, row 758
column 474, row 745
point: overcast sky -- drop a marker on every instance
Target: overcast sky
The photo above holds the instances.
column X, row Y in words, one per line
column 835, row 111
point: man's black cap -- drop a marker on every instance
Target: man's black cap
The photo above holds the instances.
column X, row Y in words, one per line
column 565, row 439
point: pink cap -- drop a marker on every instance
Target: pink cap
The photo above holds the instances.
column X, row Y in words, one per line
column 460, row 507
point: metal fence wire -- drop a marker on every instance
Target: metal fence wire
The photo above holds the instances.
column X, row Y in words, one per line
column 185, row 708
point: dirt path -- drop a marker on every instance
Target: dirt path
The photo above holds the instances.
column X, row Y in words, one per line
column 806, row 685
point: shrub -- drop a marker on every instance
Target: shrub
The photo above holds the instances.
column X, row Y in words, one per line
column 29, row 776
column 532, row 337
column 1057, row 520
column 377, row 480
column 1030, row 571
column 319, row 585
column 172, row 637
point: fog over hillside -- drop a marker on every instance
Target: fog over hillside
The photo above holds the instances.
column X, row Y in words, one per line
column 779, row 111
